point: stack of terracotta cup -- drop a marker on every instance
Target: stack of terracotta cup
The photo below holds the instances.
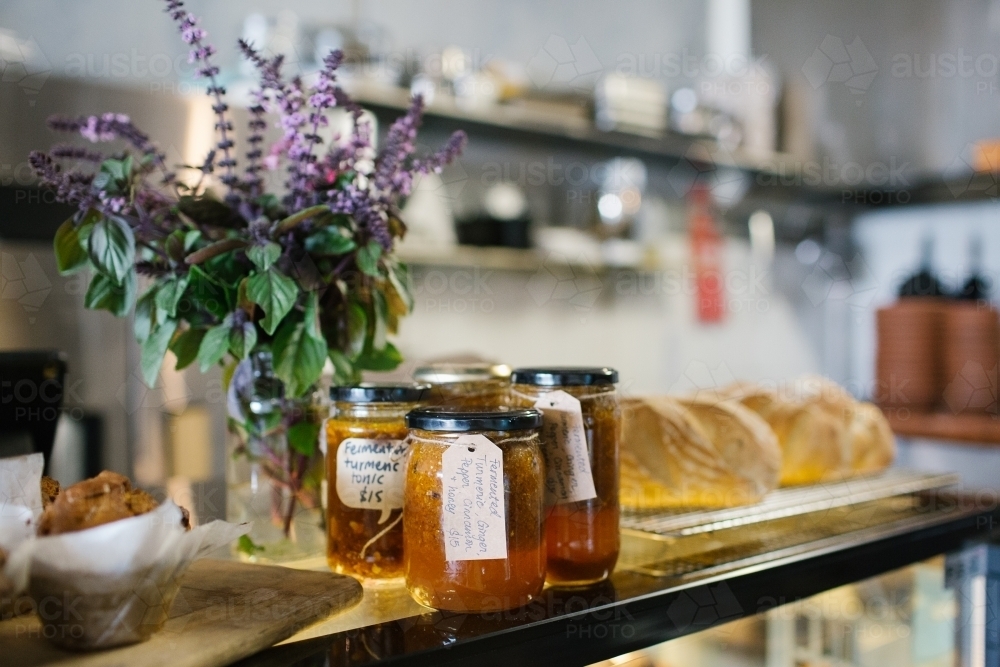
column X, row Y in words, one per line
column 970, row 355
column 908, row 347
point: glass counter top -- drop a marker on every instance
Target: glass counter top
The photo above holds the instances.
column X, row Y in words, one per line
column 663, row 588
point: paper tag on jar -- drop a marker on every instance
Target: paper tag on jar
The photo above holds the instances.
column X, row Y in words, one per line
column 568, row 477
column 473, row 514
column 370, row 474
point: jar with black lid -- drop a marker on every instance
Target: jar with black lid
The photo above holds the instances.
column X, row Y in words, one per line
column 580, row 439
column 473, row 531
column 473, row 384
column 366, row 466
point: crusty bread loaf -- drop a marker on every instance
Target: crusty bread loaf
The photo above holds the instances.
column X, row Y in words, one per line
column 872, row 442
column 815, row 443
column 695, row 453
column 824, row 433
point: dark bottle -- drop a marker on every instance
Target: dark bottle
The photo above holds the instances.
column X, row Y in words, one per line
column 978, row 286
column 923, row 282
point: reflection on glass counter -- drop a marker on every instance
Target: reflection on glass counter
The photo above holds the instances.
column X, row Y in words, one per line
column 905, row 618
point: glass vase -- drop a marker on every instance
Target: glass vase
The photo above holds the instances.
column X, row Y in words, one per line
column 274, row 475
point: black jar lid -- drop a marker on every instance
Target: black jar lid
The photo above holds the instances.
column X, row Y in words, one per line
column 564, row 376
column 380, row 392
column 460, row 420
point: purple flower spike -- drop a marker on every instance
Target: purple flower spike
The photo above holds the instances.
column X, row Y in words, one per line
column 202, row 53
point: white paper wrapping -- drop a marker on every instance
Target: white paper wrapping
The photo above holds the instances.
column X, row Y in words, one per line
column 20, row 499
column 113, row 584
column 103, row 586
column 20, row 507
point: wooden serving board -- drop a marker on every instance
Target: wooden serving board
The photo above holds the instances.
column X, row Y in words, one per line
column 224, row 611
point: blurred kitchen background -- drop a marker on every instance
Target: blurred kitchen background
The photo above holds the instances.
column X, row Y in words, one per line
column 691, row 192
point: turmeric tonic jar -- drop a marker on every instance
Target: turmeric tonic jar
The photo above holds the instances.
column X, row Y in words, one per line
column 366, row 466
column 472, row 536
column 479, row 385
column 580, row 439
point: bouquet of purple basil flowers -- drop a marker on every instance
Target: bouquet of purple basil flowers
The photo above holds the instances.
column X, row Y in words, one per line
column 307, row 274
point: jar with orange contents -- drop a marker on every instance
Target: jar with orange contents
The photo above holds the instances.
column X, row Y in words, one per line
column 366, row 466
column 473, row 535
column 474, row 384
column 580, row 438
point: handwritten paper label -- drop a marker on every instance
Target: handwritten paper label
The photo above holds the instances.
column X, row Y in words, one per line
column 568, row 476
column 370, row 474
column 473, row 514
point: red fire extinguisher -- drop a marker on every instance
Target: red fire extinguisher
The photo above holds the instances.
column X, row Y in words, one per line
column 706, row 256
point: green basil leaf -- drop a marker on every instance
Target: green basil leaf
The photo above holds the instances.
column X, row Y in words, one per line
column 214, row 345
column 185, row 346
column 386, row 359
column 191, row 237
column 102, row 180
column 303, row 438
column 402, row 287
column 345, row 179
column 206, row 294
column 242, row 340
column 174, row 245
column 299, row 355
column 105, row 294
column 275, row 293
column 330, row 241
column 264, row 256
column 368, row 257
column 343, row 369
column 70, row 255
column 86, row 227
column 311, row 316
column 242, row 300
column 247, row 546
column 112, row 248
column 170, row 292
column 154, row 349
column 145, row 315
column 114, row 168
column 357, row 329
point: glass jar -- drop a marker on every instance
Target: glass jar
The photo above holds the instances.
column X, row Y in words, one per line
column 366, row 466
column 581, row 535
column 473, row 537
column 472, row 385
column 274, row 471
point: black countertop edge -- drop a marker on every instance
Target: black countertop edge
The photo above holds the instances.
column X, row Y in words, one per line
column 606, row 631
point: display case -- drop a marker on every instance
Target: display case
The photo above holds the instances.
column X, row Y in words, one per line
column 840, row 574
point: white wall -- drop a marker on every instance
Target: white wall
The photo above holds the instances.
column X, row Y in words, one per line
column 642, row 324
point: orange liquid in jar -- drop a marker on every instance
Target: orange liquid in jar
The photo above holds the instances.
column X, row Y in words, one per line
column 474, row 585
column 583, row 542
column 582, row 538
column 357, row 544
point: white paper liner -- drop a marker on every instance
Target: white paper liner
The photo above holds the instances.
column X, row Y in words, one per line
column 20, row 507
column 20, row 498
column 113, row 584
column 21, row 479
